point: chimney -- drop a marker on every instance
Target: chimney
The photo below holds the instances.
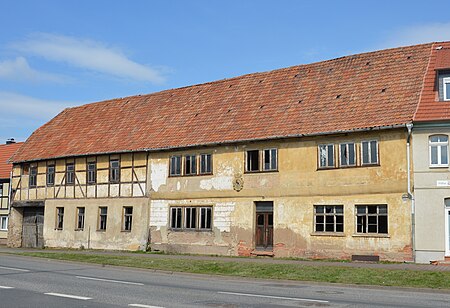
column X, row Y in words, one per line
column 10, row 141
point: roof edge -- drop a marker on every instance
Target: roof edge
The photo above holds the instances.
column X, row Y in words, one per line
column 149, row 150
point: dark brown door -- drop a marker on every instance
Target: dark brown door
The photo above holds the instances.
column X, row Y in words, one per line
column 264, row 230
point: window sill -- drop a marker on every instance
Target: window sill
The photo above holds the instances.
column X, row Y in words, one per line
column 58, row 229
column 261, row 171
column 125, row 231
column 332, row 234
column 101, row 230
column 188, row 175
column 371, row 235
column 190, row 230
column 79, row 229
column 438, row 166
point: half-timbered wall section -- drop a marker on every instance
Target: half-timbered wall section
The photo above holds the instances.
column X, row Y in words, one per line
column 103, row 176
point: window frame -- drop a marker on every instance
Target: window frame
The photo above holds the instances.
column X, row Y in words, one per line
column 347, row 147
column 327, row 156
column 102, row 224
column 326, row 214
column 207, row 158
column 4, row 218
column 445, row 80
column 439, row 145
column 185, row 222
column 127, row 219
column 369, row 149
column 114, row 172
column 261, row 156
column 70, row 174
column 366, row 221
column 175, row 170
column 80, row 218
column 59, row 218
column 89, row 172
column 271, row 161
column 32, row 180
column 190, row 164
column 50, row 175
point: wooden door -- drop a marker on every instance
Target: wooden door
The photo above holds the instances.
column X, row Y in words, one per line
column 264, row 230
column 33, row 227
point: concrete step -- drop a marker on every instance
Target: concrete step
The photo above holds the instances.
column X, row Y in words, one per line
column 262, row 253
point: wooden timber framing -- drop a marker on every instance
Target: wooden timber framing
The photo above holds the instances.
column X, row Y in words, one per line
column 132, row 180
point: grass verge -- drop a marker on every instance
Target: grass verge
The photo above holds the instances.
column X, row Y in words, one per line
column 299, row 272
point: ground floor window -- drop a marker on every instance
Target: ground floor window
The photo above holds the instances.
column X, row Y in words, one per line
column 59, row 218
column 127, row 218
column 329, row 218
column 191, row 218
column 3, row 222
column 103, row 215
column 372, row 219
column 80, row 218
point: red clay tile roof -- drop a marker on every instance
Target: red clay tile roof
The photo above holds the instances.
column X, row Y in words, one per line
column 430, row 108
column 363, row 91
column 6, row 151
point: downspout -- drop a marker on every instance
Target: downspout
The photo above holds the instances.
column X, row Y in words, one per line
column 409, row 127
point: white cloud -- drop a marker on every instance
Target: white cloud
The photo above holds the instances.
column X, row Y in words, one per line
column 19, row 69
column 88, row 54
column 418, row 34
column 21, row 106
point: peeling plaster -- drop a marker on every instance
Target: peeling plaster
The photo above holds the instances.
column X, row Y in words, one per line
column 159, row 175
column 218, row 183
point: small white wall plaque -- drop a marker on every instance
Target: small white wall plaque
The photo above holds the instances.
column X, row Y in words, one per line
column 443, row 183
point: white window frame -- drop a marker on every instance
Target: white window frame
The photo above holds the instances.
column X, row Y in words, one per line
column 272, row 152
column 438, row 145
column 369, row 148
column 327, row 163
column 3, row 218
column 444, row 82
column 202, row 223
column 347, row 147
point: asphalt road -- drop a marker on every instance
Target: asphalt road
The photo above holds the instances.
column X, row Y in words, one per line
column 30, row 282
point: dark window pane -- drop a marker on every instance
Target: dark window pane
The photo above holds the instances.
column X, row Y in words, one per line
column 339, row 228
column 253, row 160
column 365, row 152
column 382, row 224
column 270, row 218
column 319, row 227
column 320, row 209
column 260, row 220
column 320, row 219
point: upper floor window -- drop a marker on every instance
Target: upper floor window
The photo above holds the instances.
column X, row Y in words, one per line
column 175, row 165
column 438, row 150
column 50, row 175
column 369, row 152
column 269, row 161
column 205, row 164
column 190, row 165
column 347, row 154
column 446, row 88
column 1, row 190
column 70, row 173
column 33, row 176
column 114, row 170
column 91, row 172
column 326, row 155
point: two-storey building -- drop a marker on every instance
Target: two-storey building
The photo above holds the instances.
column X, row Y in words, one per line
column 305, row 161
column 6, row 151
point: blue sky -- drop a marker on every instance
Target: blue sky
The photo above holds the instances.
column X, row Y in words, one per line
column 57, row 54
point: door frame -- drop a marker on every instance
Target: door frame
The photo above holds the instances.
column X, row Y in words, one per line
column 263, row 207
column 447, row 231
